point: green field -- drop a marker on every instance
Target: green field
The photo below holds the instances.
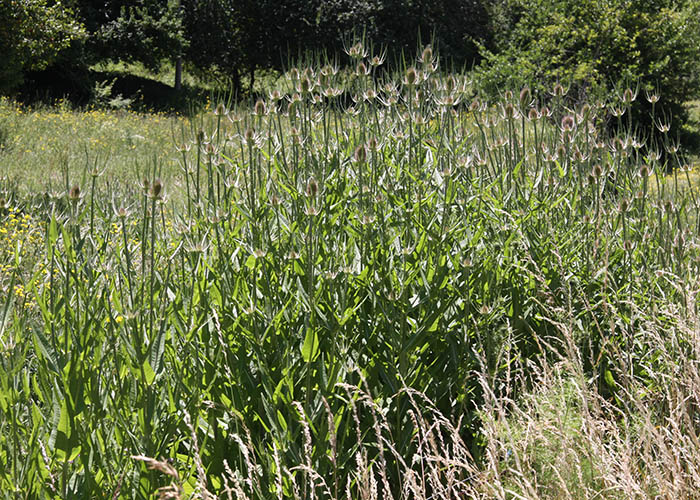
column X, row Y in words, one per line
column 361, row 287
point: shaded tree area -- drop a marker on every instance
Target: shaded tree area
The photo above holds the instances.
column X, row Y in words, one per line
column 235, row 38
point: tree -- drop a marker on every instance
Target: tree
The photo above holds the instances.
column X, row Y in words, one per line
column 32, row 35
column 597, row 48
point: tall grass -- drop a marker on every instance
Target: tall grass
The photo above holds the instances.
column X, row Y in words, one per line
column 362, row 286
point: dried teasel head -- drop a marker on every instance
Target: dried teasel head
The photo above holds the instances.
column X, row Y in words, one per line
column 74, row 193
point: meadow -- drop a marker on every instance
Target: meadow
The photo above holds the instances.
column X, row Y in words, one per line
column 364, row 285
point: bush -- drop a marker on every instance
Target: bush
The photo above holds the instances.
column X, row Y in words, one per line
column 596, row 48
column 32, row 34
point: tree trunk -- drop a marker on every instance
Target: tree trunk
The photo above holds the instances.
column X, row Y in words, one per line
column 178, row 73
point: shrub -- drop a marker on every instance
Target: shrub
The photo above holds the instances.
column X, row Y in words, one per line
column 597, row 47
column 32, row 34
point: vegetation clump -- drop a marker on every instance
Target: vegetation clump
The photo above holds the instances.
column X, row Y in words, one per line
column 412, row 293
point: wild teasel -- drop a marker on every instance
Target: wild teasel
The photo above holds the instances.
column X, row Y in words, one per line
column 220, row 110
column 525, row 97
column 360, row 154
column 356, row 51
column 260, row 108
column 651, row 97
column 377, row 60
column 312, row 187
column 411, row 77
column 568, row 123
column 156, row 190
column 559, row 91
column 361, row 69
column 508, row 111
column 74, row 193
column 628, row 96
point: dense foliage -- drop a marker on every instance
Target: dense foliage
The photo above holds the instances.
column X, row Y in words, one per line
column 32, row 34
column 325, row 298
column 598, row 48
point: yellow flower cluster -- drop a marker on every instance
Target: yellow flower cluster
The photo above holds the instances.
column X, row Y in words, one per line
column 19, row 242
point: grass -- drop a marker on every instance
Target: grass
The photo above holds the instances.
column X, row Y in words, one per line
column 411, row 293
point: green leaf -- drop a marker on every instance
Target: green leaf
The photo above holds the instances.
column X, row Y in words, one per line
column 148, row 373
column 310, row 349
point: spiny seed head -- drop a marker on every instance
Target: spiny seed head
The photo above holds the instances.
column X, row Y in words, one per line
column 201, row 136
column 157, row 188
column 249, row 134
column 525, row 97
column 533, row 114
column 450, row 84
column 260, row 108
column 360, row 153
column 220, row 109
column 427, row 56
column 305, row 85
column 357, row 51
column 74, row 193
column 377, row 60
column 645, row 171
column 668, row 206
column 312, row 187
column 568, row 123
column 275, row 95
column 509, row 111
column 628, row 96
column 652, row 98
column 559, row 90
column 624, row 205
column 411, row 76
column 597, row 171
column 362, row 69
column 475, row 105
column 146, row 185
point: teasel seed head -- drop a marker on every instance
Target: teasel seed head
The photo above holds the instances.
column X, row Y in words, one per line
column 559, row 90
column 533, row 114
column 411, row 76
column 249, row 135
column 275, row 95
column 362, row 69
column 624, row 205
column 568, row 123
column 260, row 108
column 312, row 187
column 628, row 96
column 509, row 111
column 597, row 171
column 360, row 154
column 220, row 110
column 525, row 97
column 74, row 193
column 157, row 188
